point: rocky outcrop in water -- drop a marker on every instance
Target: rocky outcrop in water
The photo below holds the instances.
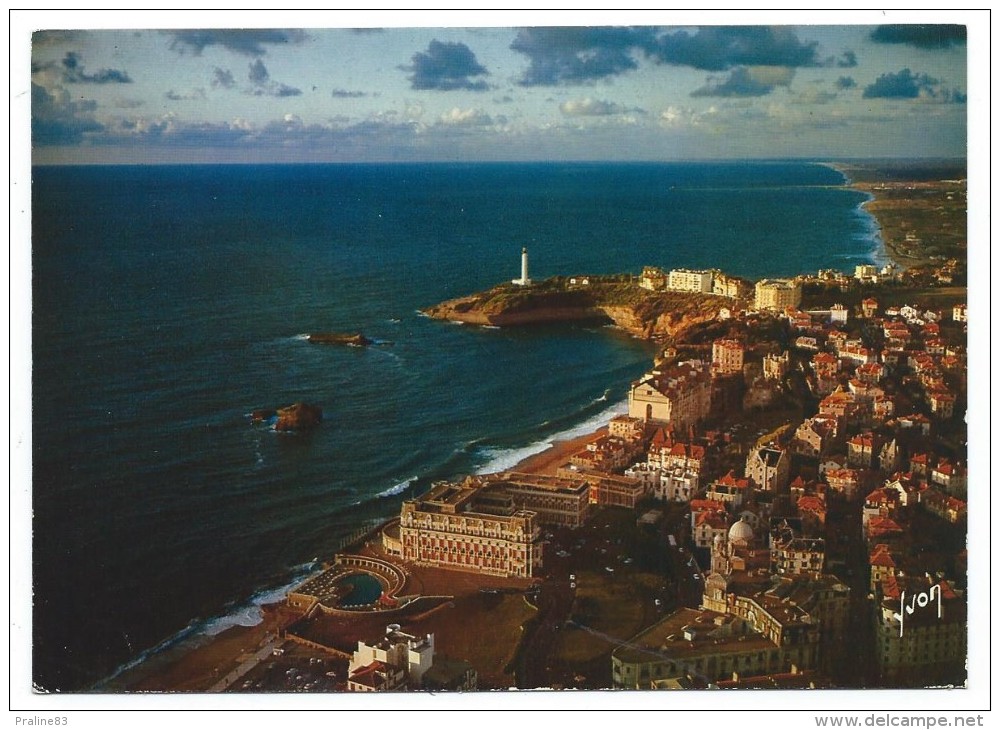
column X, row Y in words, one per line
column 352, row 339
column 296, row 417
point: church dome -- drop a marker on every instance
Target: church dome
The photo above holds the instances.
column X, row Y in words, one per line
column 740, row 531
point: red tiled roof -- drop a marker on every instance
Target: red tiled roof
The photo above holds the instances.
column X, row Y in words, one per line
column 882, row 525
column 712, row 505
column 370, row 675
column 730, row 480
column 890, row 586
column 882, row 558
column 715, row 520
column 811, row 503
column 883, row 495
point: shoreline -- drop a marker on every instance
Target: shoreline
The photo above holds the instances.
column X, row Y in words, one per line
column 198, row 663
column 910, row 243
column 888, row 249
column 549, row 461
column 903, row 261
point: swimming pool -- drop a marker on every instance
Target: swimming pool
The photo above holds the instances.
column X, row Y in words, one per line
column 364, row 588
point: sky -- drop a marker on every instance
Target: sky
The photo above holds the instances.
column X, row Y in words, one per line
column 616, row 88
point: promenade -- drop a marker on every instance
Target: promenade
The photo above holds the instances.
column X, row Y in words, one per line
column 245, row 666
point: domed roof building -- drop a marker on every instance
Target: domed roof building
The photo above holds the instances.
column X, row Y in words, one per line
column 741, row 533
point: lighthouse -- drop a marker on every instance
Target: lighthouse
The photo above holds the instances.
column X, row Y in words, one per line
column 524, row 280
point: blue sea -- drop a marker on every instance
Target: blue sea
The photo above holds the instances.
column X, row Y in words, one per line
column 170, row 301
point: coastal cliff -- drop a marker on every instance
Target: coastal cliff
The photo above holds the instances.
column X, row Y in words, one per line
column 641, row 312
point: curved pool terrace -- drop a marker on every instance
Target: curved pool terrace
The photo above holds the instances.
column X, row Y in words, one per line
column 363, row 589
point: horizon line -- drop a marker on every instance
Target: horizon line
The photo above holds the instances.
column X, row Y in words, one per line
column 596, row 161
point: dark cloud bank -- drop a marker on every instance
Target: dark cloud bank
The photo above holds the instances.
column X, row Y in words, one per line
column 251, row 42
column 909, row 85
column 446, row 67
column 582, row 55
column 921, row 36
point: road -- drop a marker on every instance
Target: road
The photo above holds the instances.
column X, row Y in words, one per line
column 244, row 667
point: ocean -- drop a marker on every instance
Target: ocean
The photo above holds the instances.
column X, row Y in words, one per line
column 170, row 301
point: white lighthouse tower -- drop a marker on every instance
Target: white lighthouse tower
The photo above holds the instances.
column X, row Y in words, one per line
column 524, row 280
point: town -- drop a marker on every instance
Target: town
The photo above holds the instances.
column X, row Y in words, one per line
column 782, row 506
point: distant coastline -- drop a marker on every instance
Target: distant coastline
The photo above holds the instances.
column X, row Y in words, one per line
column 909, row 186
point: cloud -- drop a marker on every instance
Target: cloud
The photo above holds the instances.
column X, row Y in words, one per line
column 73, row 73
column 921, row 36
column 590, row 108
column 848, row 59
column 250, row 42
column 194, row 94
column 128, row 103
column 908, row 85
column 261, row 84
column 578, row 55
column 45, row 38
column 466, row 118
column 276, row 89
column 563, row 56
column 170, row 131
column 674, row 116
column 846, row 82
column 223, row 78
column 814, row 96
column 413, row 110
column 344, row 94
column 755, row 81
column 258, row 72
column 446, row 67
column 57, row 119
column 718, row 48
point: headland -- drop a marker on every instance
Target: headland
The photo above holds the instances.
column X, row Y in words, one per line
column 620, row 299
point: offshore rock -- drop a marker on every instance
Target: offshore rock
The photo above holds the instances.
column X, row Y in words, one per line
column 352, row 339
column 260, row 415
column 298, row 417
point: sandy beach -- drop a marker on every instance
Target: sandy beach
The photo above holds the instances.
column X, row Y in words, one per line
column 549, row 461
column 197, row 665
